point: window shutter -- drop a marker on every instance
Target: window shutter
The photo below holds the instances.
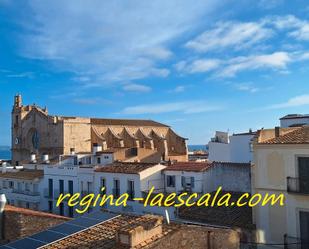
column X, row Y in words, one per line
column 183, row 181
column 192, row 182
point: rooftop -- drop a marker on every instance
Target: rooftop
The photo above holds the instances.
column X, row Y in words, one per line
column 126, row 122
column 103, row 235
column 125, row 167
column 291, row 136
column 189, row 166
column 25, row 174
column 293, row 116
column 25, row 211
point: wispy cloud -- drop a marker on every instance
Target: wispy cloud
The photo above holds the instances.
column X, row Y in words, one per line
column 178, row 89
column 109, row 41
column 247, row 87
column 233, row 35
column 91, row 101
column 300, row 100
column 21, row 75
column 276, row 60
column 198, row 66
column 132, row 87
column 185, row 107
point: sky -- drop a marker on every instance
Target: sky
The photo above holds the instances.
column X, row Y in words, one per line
column 198, row 66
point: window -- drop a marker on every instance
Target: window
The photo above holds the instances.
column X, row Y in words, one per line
column 16, row 119
column 50, row 187
column 98, row 160
column 11, row 184
column 304, row 228
column 27, row 186
column 103, row 184
column 61, row 209
column 131, row 191
column 88, row 160
column 27, row 205
column 71, row 213
column 303, row 173
column 106, row 157
column 70, row 187
column 50, row 206
column 116, row 190
column 170, row 181
column 61, row 187
column 19, row 186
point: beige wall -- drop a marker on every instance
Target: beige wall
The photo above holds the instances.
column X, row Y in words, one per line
column 272, row 165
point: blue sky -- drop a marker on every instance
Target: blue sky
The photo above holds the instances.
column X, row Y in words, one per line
column 198, row 66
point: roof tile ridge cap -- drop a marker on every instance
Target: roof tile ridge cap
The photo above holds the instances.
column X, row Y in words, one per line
column 288, row 133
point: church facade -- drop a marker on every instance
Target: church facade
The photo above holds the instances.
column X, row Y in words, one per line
column 34, row 131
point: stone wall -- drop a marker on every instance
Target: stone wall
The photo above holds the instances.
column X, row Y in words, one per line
column 196, row 237
column 19, row 222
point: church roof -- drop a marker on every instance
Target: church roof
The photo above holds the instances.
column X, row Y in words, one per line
column 126, row 122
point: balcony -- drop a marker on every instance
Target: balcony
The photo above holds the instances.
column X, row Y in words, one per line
column 116, row 192
column 131, row 194
column 297, row 185
column 48, row 193
column 25, row 192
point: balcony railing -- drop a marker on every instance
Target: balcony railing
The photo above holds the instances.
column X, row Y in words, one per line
column 116, row 192
column 131, row 194
column 26, row 192
column 291, row 242
column 297, row 185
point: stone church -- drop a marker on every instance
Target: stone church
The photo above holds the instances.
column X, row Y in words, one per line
column 34, row 131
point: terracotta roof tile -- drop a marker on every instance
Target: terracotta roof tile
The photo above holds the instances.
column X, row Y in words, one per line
column 125, row 167
column 25, row 211
column 103, row 235
column 23, row 174
column 296, row 136
column 189, row 166
column 126, row 122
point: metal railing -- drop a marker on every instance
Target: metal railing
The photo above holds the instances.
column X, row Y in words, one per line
column 291, row 242
column 116, row 192
column 131, row 194
column 26, row 192
column 297, row 185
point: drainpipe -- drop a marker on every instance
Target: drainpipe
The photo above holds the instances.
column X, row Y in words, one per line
column 2, row 205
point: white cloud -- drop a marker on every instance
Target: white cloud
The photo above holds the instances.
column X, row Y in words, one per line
column 247, row 87
column 179, row 89
column 132, row 87
column 233, row 35
column 295, row 27
column 186, row 107
column 198, row 66
column 277, row 60
column 300, row 100
column 109, row 40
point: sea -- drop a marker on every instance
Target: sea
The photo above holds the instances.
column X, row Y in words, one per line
column 197, row 147
column 5, row 152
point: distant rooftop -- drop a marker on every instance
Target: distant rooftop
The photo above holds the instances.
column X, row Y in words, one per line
column 189, row 166
column 125, row 167
column 294, row 116
column 291, row 136
column 126, row 122
column 26, row 174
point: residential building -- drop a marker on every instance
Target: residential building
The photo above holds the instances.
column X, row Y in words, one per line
column 236, row 148
column 113, row 230
column 294, row 120
column 207, row 177
column 281, row 165
column 136, row 179
column 23, row 188
column 35, row 131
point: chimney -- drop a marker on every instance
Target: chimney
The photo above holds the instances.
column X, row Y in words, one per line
column 32, row 158
column 277, row 131
column 3, row 168
column 96, row 148
column 2, row 206
column 72, row 151
column 45, row 158
column 134, row 235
